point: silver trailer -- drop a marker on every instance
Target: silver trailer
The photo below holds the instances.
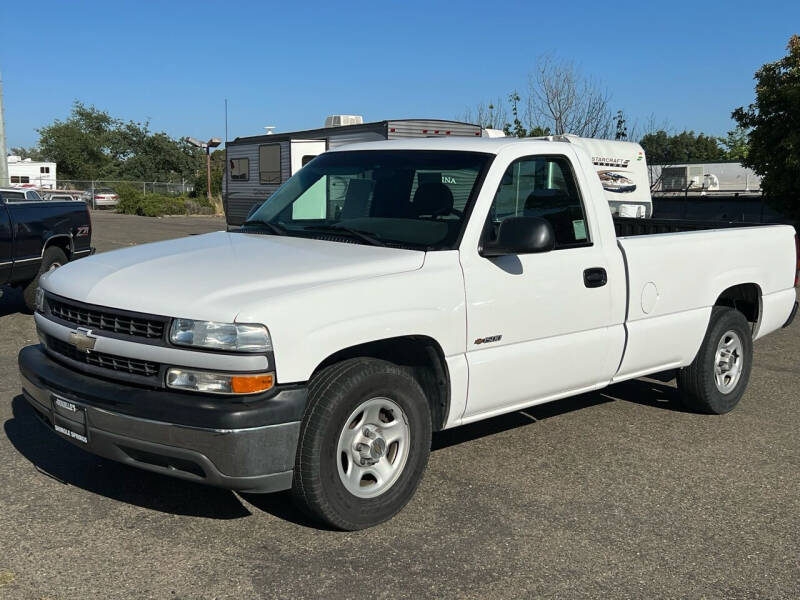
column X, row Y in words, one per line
column 258, row 165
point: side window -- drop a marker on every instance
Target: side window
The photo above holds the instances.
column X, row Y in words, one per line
column 269, row 163
column 542, row 186
column 240, row 169
column 33, row 196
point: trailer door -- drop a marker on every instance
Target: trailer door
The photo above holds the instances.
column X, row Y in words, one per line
column 302, row 151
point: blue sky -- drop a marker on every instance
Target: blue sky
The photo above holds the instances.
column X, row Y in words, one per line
column 290, row 64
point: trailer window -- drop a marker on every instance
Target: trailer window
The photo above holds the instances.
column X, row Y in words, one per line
column 240, row 169
column 269, row 163
column 20, row 179
column 544, row 187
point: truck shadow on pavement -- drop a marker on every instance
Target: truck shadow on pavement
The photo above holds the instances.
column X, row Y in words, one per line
column 68, row 464
column 11, row 301
column 638, row 391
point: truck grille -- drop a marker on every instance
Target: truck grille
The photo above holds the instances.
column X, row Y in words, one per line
column 105, row 319
column 132, row 366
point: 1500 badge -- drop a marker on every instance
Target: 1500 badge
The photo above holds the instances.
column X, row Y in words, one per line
column 489, row 340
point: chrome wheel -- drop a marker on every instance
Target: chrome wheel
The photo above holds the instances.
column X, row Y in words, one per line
column 373, row 447
column 728, row 362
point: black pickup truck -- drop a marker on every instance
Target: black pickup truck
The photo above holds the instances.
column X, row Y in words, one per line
column 38, row 235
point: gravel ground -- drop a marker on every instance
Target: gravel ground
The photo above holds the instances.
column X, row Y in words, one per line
column 613, row 494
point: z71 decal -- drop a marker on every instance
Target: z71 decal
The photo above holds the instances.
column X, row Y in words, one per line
column 82, row 231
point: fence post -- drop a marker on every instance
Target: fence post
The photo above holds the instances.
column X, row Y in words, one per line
column 94, row 206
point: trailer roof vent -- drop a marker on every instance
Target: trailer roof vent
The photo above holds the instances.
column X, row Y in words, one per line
column 339, row 120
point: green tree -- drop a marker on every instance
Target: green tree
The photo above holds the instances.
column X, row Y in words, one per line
column 774, row 121
column 664, row 149
column 515, row 128
column 33, row 152
column 80, row 145
column 736, row 144
column 91, row 144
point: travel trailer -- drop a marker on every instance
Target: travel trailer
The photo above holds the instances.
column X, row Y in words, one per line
column 24, row 172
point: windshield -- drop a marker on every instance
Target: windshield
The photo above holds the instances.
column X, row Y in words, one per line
column 403, row 198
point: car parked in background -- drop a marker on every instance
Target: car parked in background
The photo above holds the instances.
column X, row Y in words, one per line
column 37, row 236
column 105, row 197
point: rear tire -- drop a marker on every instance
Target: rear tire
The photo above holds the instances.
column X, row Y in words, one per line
column 364, row 443
column 717, row 378
column 52, row 258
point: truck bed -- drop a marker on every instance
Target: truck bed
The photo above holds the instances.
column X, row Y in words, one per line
column 630, row 227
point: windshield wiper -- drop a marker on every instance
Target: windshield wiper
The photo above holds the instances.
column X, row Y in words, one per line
column 362, row 235
column 273, row 227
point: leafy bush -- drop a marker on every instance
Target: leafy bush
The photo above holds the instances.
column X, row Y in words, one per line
column 132, row 201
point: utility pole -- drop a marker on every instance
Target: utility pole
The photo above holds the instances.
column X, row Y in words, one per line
column 3, row 153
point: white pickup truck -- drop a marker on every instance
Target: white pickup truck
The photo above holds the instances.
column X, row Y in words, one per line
column 386, row 291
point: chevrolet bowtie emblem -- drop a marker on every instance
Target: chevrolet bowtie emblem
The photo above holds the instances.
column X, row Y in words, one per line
column 82, row 340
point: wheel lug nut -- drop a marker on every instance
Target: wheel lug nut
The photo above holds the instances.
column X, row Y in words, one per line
column 369, row 433
column 362, row 447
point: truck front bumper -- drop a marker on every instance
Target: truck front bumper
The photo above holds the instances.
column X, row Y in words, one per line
column 245, row 445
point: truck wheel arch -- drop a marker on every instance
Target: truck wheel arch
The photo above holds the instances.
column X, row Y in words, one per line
column 421, row 355
column 61, row 240
column 746, row 298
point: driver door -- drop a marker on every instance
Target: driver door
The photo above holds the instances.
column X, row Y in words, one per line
column 536, row 329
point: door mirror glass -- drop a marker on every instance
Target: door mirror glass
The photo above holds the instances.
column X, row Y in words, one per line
column 522, row 235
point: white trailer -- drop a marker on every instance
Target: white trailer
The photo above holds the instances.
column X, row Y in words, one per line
column 24, row 172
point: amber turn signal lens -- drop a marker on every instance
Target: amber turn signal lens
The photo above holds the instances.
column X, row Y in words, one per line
column 250, row 384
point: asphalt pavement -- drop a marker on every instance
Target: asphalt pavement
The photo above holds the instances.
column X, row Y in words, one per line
column 615, row 494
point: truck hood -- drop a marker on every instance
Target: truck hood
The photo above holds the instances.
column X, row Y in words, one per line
column 216, row 275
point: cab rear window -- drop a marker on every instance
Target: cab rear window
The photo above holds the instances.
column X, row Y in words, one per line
column 13, row 196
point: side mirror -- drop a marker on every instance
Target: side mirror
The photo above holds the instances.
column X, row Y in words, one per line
column 522, row 235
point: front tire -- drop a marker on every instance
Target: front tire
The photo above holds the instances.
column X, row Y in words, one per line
column 364, row 443
column 717, row 378
column 52, row 258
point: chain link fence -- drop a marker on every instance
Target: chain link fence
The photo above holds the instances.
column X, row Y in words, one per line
column 90, row 187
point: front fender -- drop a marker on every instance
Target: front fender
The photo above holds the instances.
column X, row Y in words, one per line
column 311, row 324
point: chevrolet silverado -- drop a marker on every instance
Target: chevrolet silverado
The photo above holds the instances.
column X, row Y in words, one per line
column 386, row 291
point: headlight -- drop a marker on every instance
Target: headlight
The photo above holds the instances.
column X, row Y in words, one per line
column 219, row 383
column 39, row 300
column 233, row 337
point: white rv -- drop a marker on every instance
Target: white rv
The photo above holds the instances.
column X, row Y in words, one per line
column 24, row 172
